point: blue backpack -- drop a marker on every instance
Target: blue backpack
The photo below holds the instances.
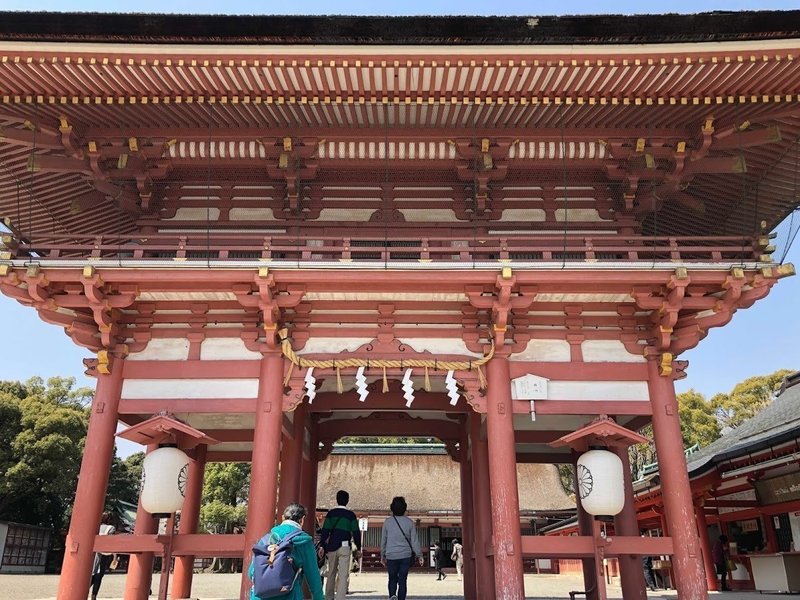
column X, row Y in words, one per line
column 274, row 571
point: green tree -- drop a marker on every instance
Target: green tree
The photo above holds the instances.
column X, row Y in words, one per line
column 123, row 481
column 641, row 455
column 228, row 483
column 226, row 487
column 747, row 398
column 699, row 424
column 42, row 434
column 133, row 464
column 566, row 476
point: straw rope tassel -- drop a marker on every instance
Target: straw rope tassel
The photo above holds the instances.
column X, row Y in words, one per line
column 447, row 365
column 427, row 385
column 481, row 379
column 339, row 386
column 385, row 381
column 288, row 374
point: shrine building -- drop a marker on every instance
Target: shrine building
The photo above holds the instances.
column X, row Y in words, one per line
column 269, row 233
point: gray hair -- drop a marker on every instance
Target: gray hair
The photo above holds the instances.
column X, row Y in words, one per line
column 294, row 512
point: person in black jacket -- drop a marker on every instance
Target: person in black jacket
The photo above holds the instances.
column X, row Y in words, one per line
column 438, row 561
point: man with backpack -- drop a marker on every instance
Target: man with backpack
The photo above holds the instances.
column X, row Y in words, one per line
column 283, row 558
column 338, row 530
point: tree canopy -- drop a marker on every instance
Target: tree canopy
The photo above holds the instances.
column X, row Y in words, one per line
column 704, row 421
column 42, row 431
column 225, row 490
column 747, row 398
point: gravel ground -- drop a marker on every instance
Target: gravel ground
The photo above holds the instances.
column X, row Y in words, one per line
column 366, row 586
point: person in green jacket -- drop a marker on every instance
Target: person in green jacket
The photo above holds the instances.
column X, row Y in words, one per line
column 303, row 554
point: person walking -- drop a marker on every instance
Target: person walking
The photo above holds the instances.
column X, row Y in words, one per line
column 303, row 554
column 338, row 530
column 438, row 561
column 399, row 544
column 458, row 557
column 102, row 561
column 719, row 554
column 649, row 572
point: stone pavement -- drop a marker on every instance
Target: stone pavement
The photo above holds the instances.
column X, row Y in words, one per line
column 367, row 586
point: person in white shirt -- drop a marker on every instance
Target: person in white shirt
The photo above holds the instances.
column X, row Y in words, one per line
column 399, row 544
column 458, row 556
column 102, row 561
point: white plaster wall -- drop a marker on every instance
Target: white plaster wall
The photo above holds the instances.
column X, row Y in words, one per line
column 191, row 213
column 389, row 296
column 439, row 346
column 163, row 349
column 144, row 389
column 192, row 296
column 226, row 349
column 523, row 214
column 608, row 351
column 597, row 390
column 251, row 214
column 433, row 215
column 544, row 351
column 555, row 297
column 322, row 345
column 578, row 215
column 345, row 214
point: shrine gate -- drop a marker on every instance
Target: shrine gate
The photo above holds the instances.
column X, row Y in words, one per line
column 492, row 231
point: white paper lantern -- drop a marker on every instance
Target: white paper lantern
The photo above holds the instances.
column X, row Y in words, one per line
column 601, row 482
column 164, row 474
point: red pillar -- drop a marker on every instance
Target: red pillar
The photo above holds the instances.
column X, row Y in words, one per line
column 712, row 583
column 466, row 516
column 292, row 460
column 625, row 523
column 482, row 551
column 266, row 454
column 190, row 517
column 140, row 566
column 677, row 495
column 769, row 531
column 509, row 581
column 76, row 570
column 308, row 485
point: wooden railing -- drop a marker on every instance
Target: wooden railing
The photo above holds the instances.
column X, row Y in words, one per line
column 397, row 249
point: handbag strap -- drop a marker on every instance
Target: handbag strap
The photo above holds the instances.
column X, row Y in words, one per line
column 408, row 539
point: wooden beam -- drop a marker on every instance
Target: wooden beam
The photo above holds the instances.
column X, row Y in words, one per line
column 544, row 458
column 338, row 428
column 202, row 545
column 748, row 139
column 575, row 546
column 150, row 406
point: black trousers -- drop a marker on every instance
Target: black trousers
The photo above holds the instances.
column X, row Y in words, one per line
column 649, row 577
column 97, row 578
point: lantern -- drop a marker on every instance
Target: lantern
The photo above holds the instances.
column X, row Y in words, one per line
column 164, row 473
column 601, row 482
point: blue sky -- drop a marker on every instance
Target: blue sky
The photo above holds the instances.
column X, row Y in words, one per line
column 758, row 341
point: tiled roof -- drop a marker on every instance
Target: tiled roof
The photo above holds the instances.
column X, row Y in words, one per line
column 778, row 421
column 372, row 449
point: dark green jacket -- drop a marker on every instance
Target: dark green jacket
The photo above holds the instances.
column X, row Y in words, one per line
column 304, row 557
